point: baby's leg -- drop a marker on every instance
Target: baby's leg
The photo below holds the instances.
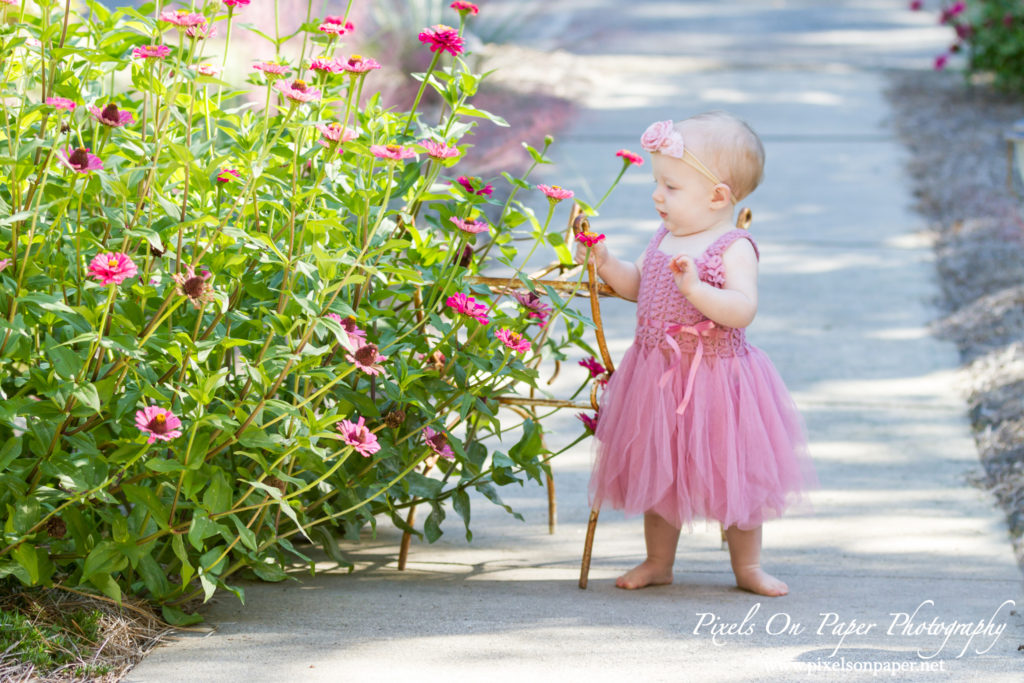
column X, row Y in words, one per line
column 745, row 553
column 661, row 539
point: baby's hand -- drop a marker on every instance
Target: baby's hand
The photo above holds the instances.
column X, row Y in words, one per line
column 684, row 272
column 598, row 254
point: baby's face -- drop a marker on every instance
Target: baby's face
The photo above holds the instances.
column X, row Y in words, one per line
column 682, row 196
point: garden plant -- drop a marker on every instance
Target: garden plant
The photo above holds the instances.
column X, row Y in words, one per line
column 236, row 316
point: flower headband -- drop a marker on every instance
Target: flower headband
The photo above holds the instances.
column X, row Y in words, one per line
column 662, row 137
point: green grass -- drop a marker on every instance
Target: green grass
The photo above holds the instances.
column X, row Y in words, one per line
column 52, row 641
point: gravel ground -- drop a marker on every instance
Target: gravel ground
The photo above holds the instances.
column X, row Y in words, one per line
column 955, row 135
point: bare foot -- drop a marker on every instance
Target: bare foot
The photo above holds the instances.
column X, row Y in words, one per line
column 756, row 580
column 644, row 574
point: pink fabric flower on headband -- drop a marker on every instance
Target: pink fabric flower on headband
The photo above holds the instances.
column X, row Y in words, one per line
column 663, row 137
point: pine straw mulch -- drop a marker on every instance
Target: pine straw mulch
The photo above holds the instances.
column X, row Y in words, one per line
column 125, row 634
column 955, row 134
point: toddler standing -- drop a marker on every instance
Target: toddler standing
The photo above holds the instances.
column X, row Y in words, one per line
column 696, row 422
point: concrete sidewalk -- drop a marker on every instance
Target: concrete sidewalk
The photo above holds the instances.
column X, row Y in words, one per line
column 901, row 559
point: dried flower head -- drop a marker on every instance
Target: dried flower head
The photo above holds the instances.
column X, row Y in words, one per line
column 395, row 418
column 194, row 286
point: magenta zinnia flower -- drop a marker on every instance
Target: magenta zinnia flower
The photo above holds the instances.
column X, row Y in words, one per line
column 439, row 150
column 271, row 68
column 359, row 436
column 589, row 422
column 368, row 359
column 438, row 443
column 151, row 52
column 80, row 160
column 297, row 91
column 182, row 18
column 235, row 3
column 357, row 64
column 589, row 239
column 442, row 38
column 61, row 103
column 555, row 192
column 228, row 175
column 468, row 306
column 630, row 157
column 464, row 8
column 111, row 116
column 471, row 227
column 392, row 152
column 538, row 310
column 513, row 340
column 593, row 366
column 336, row 26
column 474, row 186
column 160, row 423
column 112, row 268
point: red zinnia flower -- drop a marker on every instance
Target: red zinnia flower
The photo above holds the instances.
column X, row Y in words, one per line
column 357, row 64
column 442, row 38
column 111, row 116
column 392, row 152
column 112, row 268
column 438, row 443
column 368, row 359
column 297, row 91
column 472, row 227
column 80, row 160
column 630, row 157
column 160, row 423
column 468, row 306
column 359, row 436
column 464, row 8
column 513, row 340
column 474, row 186
column 589, row 239
column 151, row 52
column 61, row 103
column 556, row 193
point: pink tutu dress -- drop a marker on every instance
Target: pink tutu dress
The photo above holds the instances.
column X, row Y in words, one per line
column 696, row 423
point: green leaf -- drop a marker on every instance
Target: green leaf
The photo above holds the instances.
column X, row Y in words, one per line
column 432, row 526
column 105, row 558
column 175, row 617
column 106, row 583
column 268, row 572
column 460, row 501
column 87, row 395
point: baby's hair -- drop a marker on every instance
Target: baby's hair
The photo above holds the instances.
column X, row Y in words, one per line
column 731, row 148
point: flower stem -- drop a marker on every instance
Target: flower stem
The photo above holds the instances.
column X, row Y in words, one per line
column 419, row 93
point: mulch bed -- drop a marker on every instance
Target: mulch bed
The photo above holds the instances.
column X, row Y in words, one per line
column 955, row 131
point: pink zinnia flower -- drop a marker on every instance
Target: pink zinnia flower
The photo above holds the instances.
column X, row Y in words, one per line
column 357, row 64
column 111, row 116
column 336, row 26
column 392, row 152
column 80, row 160
column 61, row 103
column 589, row 422
column 297, row 90
column 593, row 366
column 439, row 150
column 228, row 175
column 472, row 227
column 333, row 316
column 368, row 359
column 208, row 69
column 272, row 68
column 468, row 306
column 538, row 310
column 4, row 262
column 438, row 443
column 201, row 31
column 630, row 157
column 465, row 7
column 334, row 132
column 556, row 193
column 359, row 436
column 160, row 423
column 442, row 38
column 151, row 52
column 940, row 62
column 235, row 3
column 474, row 186
column 356, row 336
column 513, row 340
column 182, row 18
column 589, row 239
column 325, row 64
column 112, row 268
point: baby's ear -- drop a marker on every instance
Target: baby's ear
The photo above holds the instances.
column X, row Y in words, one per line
column 721, row 196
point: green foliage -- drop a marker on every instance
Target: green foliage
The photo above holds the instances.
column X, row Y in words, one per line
column 991, row 32
column 52, row 645
column 268, row 366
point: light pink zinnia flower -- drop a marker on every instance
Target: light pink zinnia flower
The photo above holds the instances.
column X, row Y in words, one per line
column 468, row 306
column 272, row 68
column 555, row 192
column 61, row 103
column 151, row 52
column 80, row 160
column 325, row 64
column 392, row 152
column 297, row 91
column 589, row 239
column 439, row 150
column 4, row 262
column 368, row 359
column 112, row 268
column 438, row 443
column 630, row 157
column 442, row 38
column 208, row 70
column 472, row 227
column 357, row 64
column 513, row 340
column 336, row 26
column 359, row 436
column 160, row 423
column 464, row 8
column 111, row 116
column 201, row 31
column 182, row 18
column 356, row 336
column 334, row 132
column 474, row 186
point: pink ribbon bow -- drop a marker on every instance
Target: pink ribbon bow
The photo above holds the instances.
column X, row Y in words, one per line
column 698, row 330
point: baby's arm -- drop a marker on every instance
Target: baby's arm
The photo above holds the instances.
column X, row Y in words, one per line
column 622, row 276
column 735, row 305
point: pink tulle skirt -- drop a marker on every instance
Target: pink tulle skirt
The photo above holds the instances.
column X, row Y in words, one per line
column 737, row 454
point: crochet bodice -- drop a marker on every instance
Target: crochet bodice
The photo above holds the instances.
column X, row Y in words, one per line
column 661, row 306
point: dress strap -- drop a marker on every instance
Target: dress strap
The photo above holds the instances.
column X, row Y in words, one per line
column 726, row 240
